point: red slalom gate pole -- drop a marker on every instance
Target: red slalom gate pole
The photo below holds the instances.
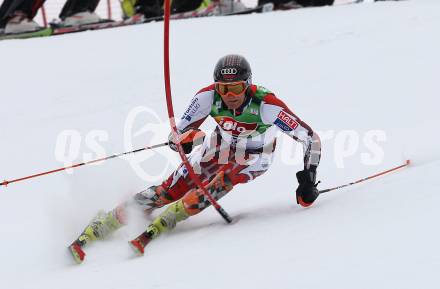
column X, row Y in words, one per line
column 407, row 163
column 185, row 161
column 5, row 183
column 109, row 9
column 43, row 13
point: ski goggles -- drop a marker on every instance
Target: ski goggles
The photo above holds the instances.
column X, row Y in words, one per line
column 231, row 88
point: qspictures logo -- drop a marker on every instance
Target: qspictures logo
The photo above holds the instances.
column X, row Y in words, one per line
column 143, row 127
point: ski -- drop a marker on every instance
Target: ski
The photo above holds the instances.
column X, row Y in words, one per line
column 97, row 26
column 55, row 29
column 39, row 33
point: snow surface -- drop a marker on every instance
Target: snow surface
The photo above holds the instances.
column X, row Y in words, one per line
column 345, row 70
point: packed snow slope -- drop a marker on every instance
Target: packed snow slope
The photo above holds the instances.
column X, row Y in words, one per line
column 349, row 71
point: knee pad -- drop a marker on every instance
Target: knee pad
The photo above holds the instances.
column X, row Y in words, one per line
column 148, row 198
column 153, row 197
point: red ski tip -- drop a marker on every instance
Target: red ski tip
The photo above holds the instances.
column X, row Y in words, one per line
column 137, row 246
column 77, row 253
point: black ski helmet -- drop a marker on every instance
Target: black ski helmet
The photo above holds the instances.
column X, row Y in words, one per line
column 231, row 68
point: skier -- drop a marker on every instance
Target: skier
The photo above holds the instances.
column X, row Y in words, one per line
column 239, row 150
column 79, row 12
column 16, row 16
column 149, row 8
column 135, row 9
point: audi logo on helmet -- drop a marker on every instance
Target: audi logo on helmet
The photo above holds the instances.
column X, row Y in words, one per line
column 229, row 71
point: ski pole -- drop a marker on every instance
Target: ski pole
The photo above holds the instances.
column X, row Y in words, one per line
column 192, row 174
column 407, row 162
column 5, row 183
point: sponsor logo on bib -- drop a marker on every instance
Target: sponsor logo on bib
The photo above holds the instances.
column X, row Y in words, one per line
column 236, row 128
column 285, row 121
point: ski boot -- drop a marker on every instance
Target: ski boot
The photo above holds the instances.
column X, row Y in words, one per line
column 77, row 252
column 164, row 222
column 138, row 244
column 192, row 203
column 98, row 229
column 20, row 23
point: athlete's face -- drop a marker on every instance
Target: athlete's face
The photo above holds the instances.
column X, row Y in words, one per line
column 233, row 102
column 232, row 93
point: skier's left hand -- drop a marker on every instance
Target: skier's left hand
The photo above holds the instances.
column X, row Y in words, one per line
column 307, row 192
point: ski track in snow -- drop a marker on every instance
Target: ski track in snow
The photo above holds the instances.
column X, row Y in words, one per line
column 348, row 67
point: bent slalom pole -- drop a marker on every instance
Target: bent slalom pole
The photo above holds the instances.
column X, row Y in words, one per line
column 407, row 162
column 5, row 183
column 185, row 161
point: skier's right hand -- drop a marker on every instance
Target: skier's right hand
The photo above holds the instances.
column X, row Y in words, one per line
column 188, row 138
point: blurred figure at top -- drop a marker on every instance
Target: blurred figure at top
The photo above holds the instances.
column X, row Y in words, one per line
column 16, row 16
column 79, row 12
column 153, row 8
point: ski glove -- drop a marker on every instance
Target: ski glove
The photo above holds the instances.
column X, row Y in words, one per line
column 188, row 138
column 307, row 191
